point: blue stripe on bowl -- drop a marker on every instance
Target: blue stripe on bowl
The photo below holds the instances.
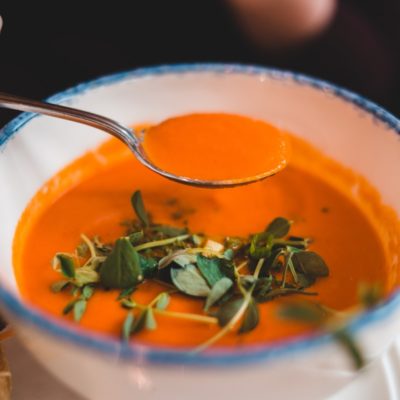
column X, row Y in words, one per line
column 218, row 356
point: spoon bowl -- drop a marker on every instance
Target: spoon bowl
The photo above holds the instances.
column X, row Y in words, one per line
column 126, row 135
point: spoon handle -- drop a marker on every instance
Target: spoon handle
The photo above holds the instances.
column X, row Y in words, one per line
column 71, row 114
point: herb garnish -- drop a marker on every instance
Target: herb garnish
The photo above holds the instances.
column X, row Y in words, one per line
column 231, row 276
column 334, row 322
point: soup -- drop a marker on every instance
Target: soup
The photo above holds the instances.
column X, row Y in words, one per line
column 350, row 228
column 221, row 146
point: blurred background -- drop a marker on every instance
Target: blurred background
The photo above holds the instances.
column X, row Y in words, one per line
column 353, row 43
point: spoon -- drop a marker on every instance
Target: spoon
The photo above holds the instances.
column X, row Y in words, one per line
column 124, row 134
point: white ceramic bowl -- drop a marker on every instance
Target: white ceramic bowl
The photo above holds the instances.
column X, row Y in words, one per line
column 343, row 125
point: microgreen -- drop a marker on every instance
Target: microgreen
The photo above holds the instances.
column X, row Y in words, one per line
column 231, row 276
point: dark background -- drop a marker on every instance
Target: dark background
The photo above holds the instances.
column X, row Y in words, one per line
column 45, row 49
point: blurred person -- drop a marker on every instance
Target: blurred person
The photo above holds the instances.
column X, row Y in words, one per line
column 354, row 43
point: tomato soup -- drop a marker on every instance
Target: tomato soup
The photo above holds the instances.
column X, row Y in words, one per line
column 221, row 146
column 338, row 209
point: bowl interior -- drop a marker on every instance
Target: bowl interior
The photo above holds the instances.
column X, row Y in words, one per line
column 342, row 125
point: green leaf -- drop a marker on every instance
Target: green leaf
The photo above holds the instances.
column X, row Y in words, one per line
column 67, row 265
column 279, row 227
column 310, row 263
column 138, row 206
column 163, row 301
column 135, row 237
column 87, row 292
column 59, row 286
column 127, row 326
column 85, row 275
column 121, row 269
column 251, row 318
column 69, row 307
column 149, row 266
column 261, row 245
column 125, row 293
column 346, row 340
column 308, row 312
column 188, row 280
column 150, row 321
column 75, row 290
column 128, row 303
column 229, row 254
column 227, row 311
column 79, row 309
column 304, row 281
column 219, row 289
column 139, row 323
column 178, row 257
column 370, row 295
column 272, row 294
column 210, row 268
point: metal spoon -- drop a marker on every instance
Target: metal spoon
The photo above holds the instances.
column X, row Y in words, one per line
column 126, row 135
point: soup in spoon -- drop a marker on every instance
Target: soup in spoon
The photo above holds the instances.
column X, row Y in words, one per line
column 217, row 147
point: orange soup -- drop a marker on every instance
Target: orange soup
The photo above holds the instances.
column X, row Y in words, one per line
column 221, row 146
column 350, row 229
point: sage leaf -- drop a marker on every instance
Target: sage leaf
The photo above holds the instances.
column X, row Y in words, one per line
column 139, row 323
column 304, row 281
column 272, row 294
column 347, row 341
column 127, row 303
column 279, row 227
column 67, row 265
column 150, row 321
column 121, row 269
column 229, row 254
column 57, row 287
column 138, row 206
column 308, row 312
column 69, row 307
column 163, row 301
column 79, row 309
column 228, row 310
column 87, row 292
column 251, row 318
column 188, row 280
column 370, row 295
column 127, row 326
column 210, row 268
column 310, row 264
column 219, row 289
column 180, row 257
column 85, row 275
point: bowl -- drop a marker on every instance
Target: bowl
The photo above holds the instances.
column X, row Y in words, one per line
column 343, row 125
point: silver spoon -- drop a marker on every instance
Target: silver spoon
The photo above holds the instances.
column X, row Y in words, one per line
column 124, row 134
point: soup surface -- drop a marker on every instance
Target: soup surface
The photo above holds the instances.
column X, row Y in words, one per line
column 221, row 146
column 349, row 226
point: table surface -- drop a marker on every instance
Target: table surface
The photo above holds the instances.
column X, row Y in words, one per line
column 32, row 381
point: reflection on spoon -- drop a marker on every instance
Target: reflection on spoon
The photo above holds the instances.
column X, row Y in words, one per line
column 205, row 150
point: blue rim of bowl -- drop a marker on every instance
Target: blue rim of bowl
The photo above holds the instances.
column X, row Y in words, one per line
column 221, row 356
